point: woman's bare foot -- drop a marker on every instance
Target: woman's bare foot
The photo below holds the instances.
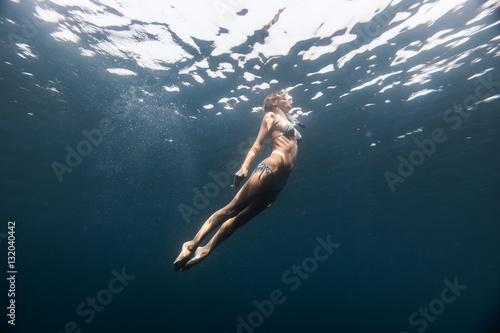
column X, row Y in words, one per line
column 200, row 254
column 186, row 254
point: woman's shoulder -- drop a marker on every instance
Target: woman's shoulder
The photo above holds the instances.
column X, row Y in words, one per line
column 272, row 115
column 269, row 116
column 272, row 118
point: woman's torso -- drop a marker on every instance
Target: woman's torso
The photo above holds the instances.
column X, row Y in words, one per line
column 284, row 144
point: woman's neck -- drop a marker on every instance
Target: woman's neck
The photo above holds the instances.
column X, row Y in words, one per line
column 280, row 112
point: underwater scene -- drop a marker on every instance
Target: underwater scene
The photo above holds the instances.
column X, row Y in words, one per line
column 250, row 166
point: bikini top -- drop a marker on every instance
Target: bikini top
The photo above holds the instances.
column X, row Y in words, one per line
column 289, row 131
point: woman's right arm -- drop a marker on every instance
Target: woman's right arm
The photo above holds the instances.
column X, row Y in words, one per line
column 265, row 127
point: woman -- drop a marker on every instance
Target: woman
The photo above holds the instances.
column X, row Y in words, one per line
column 261, row 189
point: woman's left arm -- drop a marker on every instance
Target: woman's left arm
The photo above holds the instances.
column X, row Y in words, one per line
column 265, row 126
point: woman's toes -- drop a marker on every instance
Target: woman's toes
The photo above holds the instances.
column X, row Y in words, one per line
column 199, row 255
column 184, row 256
column 200, row 252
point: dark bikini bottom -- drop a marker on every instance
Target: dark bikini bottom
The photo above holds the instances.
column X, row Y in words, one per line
column 277, row 183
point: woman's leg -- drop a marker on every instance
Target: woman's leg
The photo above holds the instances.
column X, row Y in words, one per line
column 230, row 226
column 251, row 190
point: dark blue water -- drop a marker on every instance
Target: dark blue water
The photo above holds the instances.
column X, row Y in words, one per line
column 95, row 247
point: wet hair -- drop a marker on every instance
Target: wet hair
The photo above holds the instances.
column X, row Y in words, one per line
column 268, row 101
column 282, row 94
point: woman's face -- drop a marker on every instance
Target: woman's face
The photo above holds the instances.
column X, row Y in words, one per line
column 282, row 100
column 285, row 104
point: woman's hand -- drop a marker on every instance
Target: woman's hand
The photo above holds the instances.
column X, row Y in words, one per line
column 239, row 176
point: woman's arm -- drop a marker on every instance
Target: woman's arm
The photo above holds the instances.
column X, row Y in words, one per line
column 265, row 127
